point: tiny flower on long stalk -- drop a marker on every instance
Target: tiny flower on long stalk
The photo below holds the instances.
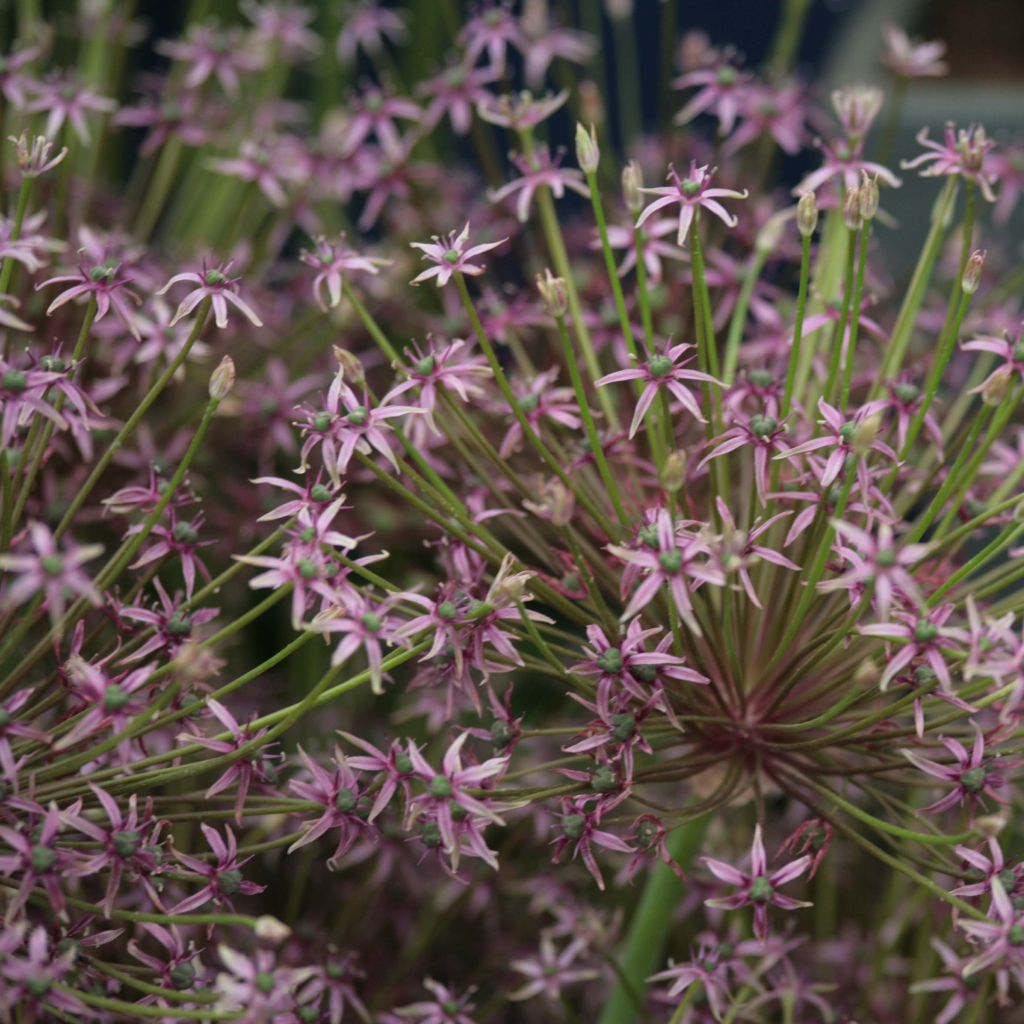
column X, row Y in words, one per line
column 449, row 256
column 666, row 370
column 34, row 158
column 757, row 887
column 690, row 194
column 214, row 284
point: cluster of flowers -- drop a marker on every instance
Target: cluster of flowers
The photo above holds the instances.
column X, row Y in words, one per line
column 703, row 533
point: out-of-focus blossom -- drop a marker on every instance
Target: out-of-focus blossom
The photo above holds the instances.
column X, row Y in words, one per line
column 912, row 58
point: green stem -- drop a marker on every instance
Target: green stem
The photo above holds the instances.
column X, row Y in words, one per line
column 839, row 335
column 798, row 328
column 659, row 452
column 851, row 346
column 46, row 433
column 994, row 432
column 122, row 557
column 739, row 315
column 938, row 368
column 133, row 421
column 609, row 264
column 139, row 1010
column 19, row 218
column 787, row 38
column 556, row 245
column 707, row 354
column 588, row 422
column 159, row 186
column 918, row 288
column 952, row 476
column 1003, row 540
column 527, row 428
column 648, row 930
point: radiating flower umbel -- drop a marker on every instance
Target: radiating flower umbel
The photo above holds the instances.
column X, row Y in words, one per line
column 459, row 654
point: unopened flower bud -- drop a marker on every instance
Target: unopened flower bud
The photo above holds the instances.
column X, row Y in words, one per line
column 768, row 237
column 553, row 293
column 618, row 10
column 990, row 825
column 632, row 182
column 270, row 929
column 351, row 368
column 864, row 434
column 994, row 390
column 972, row 272
column 866, row 673
column 591, row 105
column 222, row 380
column 869, row 197
column 851, row 210
column 807, row 214
column 588, row 155
column 554, row 502
column 676, row 464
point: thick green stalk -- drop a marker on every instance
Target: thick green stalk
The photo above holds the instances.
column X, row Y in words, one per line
column 609, row 264
column 19, row 218
column 787, row 38
column 798, row 328
column 159, row 186
column 707, row 356
column 934, row 378
column 648, row 930
column 739, row 315
column 918, row 288
column 839, row 334
column 7, row 478
column 862, row 261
